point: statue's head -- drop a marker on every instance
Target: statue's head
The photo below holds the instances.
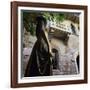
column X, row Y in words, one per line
column 41, row 20
column 41, row 25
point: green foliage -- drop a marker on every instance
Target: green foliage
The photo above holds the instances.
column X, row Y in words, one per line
column 29, row 22
column 57, row 16
column 60, row 17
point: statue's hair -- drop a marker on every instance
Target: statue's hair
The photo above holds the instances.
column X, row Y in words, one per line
column 41, row 19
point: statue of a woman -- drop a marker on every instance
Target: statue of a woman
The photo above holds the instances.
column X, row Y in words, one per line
column 40, row 59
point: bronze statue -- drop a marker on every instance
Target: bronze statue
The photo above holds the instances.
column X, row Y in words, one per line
column 40, row 60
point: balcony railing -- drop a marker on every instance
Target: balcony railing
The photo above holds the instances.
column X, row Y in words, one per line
column 62, row 27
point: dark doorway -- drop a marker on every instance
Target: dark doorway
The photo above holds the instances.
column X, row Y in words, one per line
column 78, row 62
column 55, row 58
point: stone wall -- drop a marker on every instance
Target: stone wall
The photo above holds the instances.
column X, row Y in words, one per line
column 67, row 53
